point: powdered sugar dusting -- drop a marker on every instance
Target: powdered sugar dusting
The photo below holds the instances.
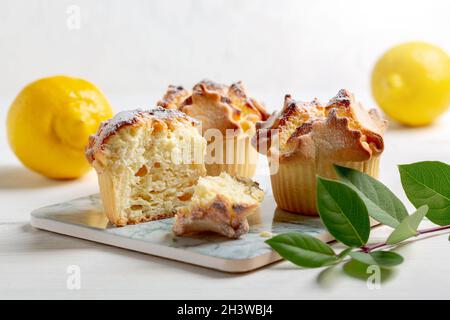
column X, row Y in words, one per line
column 342, row 130
column 129, row 117
column 343, row 97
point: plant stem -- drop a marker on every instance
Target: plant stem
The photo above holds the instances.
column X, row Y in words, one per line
column 376, row 246
column 368, row 249
column 365, row 249
column 434, row 229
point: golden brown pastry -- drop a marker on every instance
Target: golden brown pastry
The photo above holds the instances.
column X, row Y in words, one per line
column 304, row 139
column 233, row 114
column 147, row 163
column 219, row 204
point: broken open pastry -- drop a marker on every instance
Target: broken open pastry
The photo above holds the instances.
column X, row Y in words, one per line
column 147, row 163
column 305, row 139
column 222, row 110
column 219, row 204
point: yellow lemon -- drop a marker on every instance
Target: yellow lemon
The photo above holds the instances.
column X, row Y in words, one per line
column 411, row 83
column 50, row 121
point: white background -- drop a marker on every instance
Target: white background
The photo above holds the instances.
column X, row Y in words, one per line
column 132, row 50
column 138, row 47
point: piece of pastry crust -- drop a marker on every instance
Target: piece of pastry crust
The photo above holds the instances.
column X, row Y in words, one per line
column 219, row 204
column 341, row 130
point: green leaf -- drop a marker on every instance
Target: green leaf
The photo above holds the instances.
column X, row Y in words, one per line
column 302, row 249
column 384, row 259
column 344, row 253
column 381, row 203
column 428, row 183
column 343, row 212
column 360, row 270
column 408, row 227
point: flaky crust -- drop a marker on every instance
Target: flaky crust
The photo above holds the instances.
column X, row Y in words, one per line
column 216, row 105
column 341, row 130
column 138, row 117
column 174, row 97
column 222, row 215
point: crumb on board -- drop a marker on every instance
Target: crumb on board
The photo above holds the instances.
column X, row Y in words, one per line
column 266, row 234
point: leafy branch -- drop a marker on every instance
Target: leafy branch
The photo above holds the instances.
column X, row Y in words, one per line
column 346, row 206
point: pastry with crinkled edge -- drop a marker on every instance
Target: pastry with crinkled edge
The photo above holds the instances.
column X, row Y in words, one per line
column 147, row 163
column 174, row 97
column 305, row 139
column 220, row 204
column 230, row 111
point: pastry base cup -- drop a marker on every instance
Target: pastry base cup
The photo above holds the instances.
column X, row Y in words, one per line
column 113, row 191
column 110, row 199
column 238, row 157
column 294, row 184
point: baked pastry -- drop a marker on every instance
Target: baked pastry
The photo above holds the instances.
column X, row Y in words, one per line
column 228, row 118
column 219, row 204
column 147, row 163
column 305, row 139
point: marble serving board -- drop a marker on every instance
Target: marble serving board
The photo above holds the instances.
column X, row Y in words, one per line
column 84, row 218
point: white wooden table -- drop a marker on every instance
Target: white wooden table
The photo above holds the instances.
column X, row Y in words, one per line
column 33, row 263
